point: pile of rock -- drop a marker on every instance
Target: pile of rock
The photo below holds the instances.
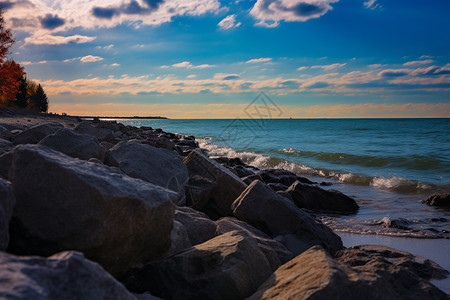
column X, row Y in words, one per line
column 101, row 210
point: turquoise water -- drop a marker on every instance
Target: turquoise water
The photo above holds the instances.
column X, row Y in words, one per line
column 387, row 165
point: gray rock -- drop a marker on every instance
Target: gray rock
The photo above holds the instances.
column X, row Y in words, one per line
column 198, row 226
column 227, row 186
column 229, row 266
column 74, row 144
column 161, row 167
column 314, row 198
column 5, row 133
column 315, row 275
column 442, row 200
column 5, row 163
column 179, row 239
column 102, row 134
column 35, row 134
column 366, row 254
column 66, row 275
column 7, row 202
column 263, row 208
column 198, row 191
column 65, row 203
column 5, row 146
column 267, row 245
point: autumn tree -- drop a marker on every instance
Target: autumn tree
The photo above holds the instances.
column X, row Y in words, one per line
column 11, row 73
column 40, row 99
column 22, row 94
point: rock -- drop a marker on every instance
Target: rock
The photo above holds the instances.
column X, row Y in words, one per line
column 95, row 160
column 227, row 186
column 285, row 195
column 102, row 134
column 65, row 203
column 282, row 176
column 66, row 275
column 7, row 202
column 229, row 266
column 263, row 208
column 198, row 226
column 438, row 200
column 160, row 141
column 5, row 133
column 314, row 198
column 35, row 134
column 179, row 239
column 366, row 254
column 74, row 144
column 315, row 275
column 267, row 245
column 198, row 191
column 5, row 146
column 249, row 179
column 277, row 186
column 395, row 223
column 161, row 167
column 5, row 163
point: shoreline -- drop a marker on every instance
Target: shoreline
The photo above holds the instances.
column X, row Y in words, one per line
column 228, row 174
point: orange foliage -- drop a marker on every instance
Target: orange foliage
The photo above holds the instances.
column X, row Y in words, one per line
column 10, row 75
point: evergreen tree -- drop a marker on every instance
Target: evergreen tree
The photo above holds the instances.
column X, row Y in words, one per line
column 40, row 99
column 22, row 94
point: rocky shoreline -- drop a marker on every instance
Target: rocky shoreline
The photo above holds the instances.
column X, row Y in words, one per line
column 100, row 210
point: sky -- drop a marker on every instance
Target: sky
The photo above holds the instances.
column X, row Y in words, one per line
column 211, row 58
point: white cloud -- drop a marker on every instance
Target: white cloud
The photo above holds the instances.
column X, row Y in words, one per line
column 226, row 76
column 188, row 65
column 269, row 13
column 329, row 67
column 301, row 68
column 48, row 39
column 26, row 63
column 229, row 22
column 191, row 76
column 103, row 13
column 85, row 59
column 369, row 3
column 258, row 60
column 114, row 65
column 105, row 47
column 418, row 62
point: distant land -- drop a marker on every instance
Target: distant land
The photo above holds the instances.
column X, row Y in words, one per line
column 103, row 117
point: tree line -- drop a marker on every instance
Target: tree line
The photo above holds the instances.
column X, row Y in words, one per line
column 15, row 89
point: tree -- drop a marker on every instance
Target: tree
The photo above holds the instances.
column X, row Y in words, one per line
column 11, row 74
column 22, row 94
column 40, row 99
column 6, row 40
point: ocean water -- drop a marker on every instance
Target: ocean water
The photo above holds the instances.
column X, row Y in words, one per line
column 387, row 165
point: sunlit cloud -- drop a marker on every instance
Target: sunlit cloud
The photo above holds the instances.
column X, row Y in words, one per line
column 258, row 60
column 229, row 22
column 85, row 59
column 329, row 67
column 418, row 62
column 48, row 39
column 188, row 65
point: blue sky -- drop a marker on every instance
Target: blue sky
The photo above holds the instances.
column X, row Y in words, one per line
column 210, row 58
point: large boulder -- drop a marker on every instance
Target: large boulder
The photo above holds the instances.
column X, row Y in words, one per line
column 5, row 146
column 65, row 203
column 229, row 266
column 362, row 255
column 317, row 199
column 5, row 163
column 161, row 167
column 179, row 239
column 198, row 226
column 7, row 202
column 276, row 253
column 284, row 177
column 35, row 134
column 263, row 208
column 227, row 186
column 5, row 133
column 66, row 275
column 442, row 200
column 315, row 275
column 102, row 134
column 74, row 144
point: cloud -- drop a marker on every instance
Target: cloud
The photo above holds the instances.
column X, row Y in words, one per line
column 258, row 60
column 425, row 56
column 26, row 63
column 371, row 4
column 51, row 21
column 106, row 47
column 114, row 65
column 191, row 76
column 418, row 62
column 188, row 65
column 102, row 13
column 229, row 22
column 394, row 73
column 85, row 59
column 318, row 85
column 329, row 67
column 224, row 76
column 48, row 39
column 269, row 13
column 301, row 68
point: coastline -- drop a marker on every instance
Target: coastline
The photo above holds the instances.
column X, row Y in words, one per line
column 184, row 146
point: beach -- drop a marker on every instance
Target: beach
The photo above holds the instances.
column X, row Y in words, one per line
column 194, row 216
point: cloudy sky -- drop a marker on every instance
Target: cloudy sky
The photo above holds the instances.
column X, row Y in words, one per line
column 210, row 58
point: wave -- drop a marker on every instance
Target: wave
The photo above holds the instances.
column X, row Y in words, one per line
column 261, row 161
column 412, row 162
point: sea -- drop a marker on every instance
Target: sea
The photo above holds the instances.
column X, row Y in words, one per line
column 387, row 165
